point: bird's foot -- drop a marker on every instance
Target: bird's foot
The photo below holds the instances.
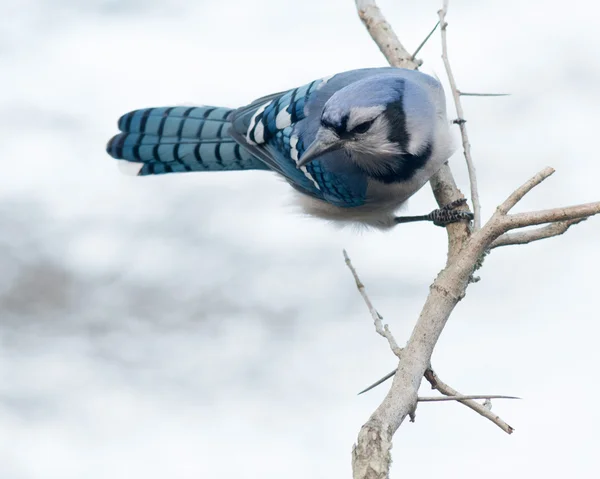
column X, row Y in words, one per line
column 442, row 216
column 449, row 214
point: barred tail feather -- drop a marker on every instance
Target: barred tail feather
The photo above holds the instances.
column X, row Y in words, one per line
column 179, row 139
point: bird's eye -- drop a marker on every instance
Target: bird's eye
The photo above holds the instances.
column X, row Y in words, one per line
column 363, row 127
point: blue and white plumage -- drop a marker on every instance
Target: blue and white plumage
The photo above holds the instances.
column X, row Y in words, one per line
column 355, row 145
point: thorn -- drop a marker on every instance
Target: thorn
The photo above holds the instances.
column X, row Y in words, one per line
column 382, row 380
column 462, row 93
column 424, row 41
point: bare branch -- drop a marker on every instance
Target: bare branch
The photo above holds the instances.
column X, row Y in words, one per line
column 461, row 123
column 425, row 41
column 566, row 213
column 437, row 383
column 463, row 397
column 430, row 375
column 501, row 222
column 525, row 188
column 381, row 329
column 383, row 34
column 524, row 237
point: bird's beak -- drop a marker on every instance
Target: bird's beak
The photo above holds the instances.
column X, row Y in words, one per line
column 325, row 141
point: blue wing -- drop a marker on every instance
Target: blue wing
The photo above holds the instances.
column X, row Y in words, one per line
column 279, row 127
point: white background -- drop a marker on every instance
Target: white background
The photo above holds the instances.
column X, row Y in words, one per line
column 196, row 325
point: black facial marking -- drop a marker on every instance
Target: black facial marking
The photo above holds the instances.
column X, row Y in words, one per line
column 344, row 124
column 405, row 166
column 338, row 127
column 396, row 117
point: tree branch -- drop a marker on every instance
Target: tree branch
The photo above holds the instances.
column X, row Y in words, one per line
column 383, row 34
column 565, row 213
column 461, row 120
column 429, row 374
column 524, row 237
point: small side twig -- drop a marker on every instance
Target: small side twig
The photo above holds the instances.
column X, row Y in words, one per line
column 382, row 330
column 525, row 188
column 461, row 121
column 437, row 383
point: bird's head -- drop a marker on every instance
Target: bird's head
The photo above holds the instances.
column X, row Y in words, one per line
column 376, row 120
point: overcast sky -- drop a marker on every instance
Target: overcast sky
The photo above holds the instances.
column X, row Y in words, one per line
column 195, row 325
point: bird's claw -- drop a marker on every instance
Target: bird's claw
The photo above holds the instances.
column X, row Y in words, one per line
column 449, row 214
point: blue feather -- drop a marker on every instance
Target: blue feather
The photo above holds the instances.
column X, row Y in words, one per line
column 180, row 139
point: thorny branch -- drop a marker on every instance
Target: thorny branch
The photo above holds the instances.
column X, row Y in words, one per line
column 430, row 375
column 371, row 456
column 461, row 120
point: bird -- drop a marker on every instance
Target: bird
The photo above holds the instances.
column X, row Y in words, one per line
column 354, row 146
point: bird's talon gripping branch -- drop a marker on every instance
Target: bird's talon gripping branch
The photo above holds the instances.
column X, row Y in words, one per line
column 449, row 214
column 442, row 216
column 455, row 204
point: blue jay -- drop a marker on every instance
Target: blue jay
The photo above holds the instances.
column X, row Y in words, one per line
column 355, row 145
